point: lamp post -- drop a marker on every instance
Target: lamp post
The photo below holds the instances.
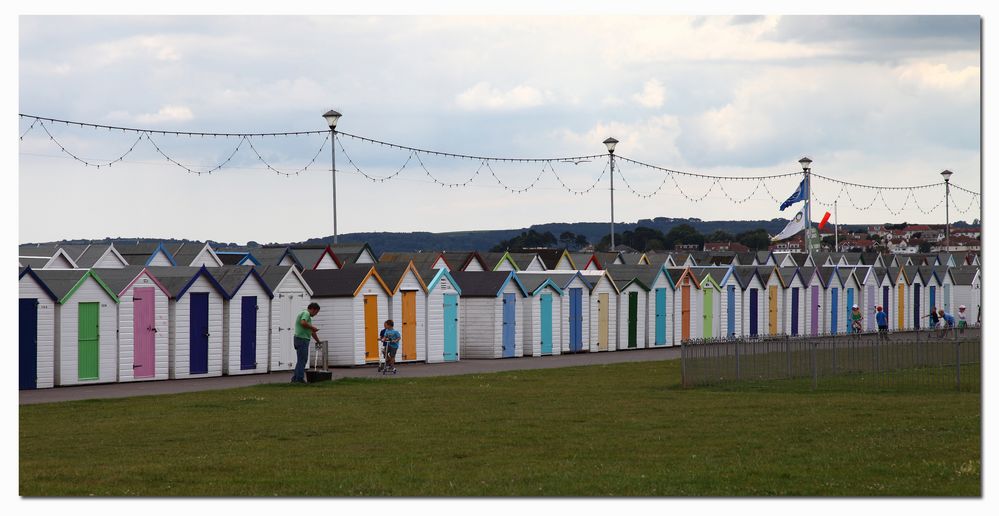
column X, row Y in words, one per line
column 611, row 143
column 332, row 117
column 806, row 167
column 946, row 175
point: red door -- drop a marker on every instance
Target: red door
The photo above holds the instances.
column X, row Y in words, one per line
column 144, row 328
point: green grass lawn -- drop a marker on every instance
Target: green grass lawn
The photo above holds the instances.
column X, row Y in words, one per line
column 622, row 429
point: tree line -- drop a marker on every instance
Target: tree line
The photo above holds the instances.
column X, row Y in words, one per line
column 641, row 239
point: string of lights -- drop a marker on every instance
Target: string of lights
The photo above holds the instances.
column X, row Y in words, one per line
column 189, row 169
column 584, row 191
column 87, row 162
column 165, row 132
column 973, row 199
column 373, row 179
column 28, row 130
column 288, row 174
column 744, row 199
column 512, row 189
column 706, row 176
column 965, row 190
column 917, row 187
column 643, row 196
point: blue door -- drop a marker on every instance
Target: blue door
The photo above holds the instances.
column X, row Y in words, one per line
column 199, row 333
column 575, row 320
column 731, row 311
column 754, row 306
column 546, row 324
column 248, row 333
column 450, row 327
column 884, row 304
column 933, row 296
column 660, row 317
column 509, row 324
column 794, row 311
column 849, row 310
column 915, row 304
column 28, row 349
column 834, row 310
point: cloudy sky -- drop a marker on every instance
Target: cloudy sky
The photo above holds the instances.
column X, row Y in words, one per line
column 879, row 100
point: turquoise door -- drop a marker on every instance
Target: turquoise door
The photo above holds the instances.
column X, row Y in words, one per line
column 450, row 327
column 546, row 324
column 660, row 316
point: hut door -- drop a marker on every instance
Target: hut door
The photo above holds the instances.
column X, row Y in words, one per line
column 509, row 325
column 708, row 311
column 660, row 316
column 450, row 327
column 772, row 309
column 946, row 302
column 286, row 332
column 731, row 311
column 754, row 308
column 603, row 321
column 546, row 324
column 794, row 311
column 88, row 341
column 575, row 320
column 371, row 328
column 871, row 304
column 834, row 312
column 915, row 305
column 199, row 333
column 28, row 348
column 933, row 297
column 884, row 304
column 248, row 333
column 901, row 306
column 849, row 310
column 815, row 310
column 632, row 319
column 409, row 325
column 144, row 332
column 685, row 311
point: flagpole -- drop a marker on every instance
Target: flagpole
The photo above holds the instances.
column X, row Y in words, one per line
column 806, row 167
column 836, row 212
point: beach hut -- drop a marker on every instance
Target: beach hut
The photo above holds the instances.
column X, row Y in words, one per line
column 633, row 282
column 465, row 261
column 916, row 292
column 686, row 311
column 491, row 305
column 406, row 307
column 196, row 307
column 146, row 253
column 710, row 299
column 794, row 301
column 831, row 303
column 773, row 299
column 353, row 252
column 542, row 315
column 603, row 313
column 886, row 294
column 291, row 295
column 851, row 295
column 812, row 300
column 86, row 343
column 245, row 320
column 44, row 257
column 527, row 262
column 443, row 319
column 753, row 315
column 733, row 295
column 36, row 332
column 902, row 297
column 943, row 298
column 354, row 303
column 869, row 286
column 499, row 262
column 315, row 257
column 193, row 254
column 967, row 291
column 575, row 310
column 95, row 256
column 143, row 323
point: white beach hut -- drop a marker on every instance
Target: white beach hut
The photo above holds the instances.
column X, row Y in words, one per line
column 36, row 332
column 143, row 323
column 603, row 312
column 491, row 306
column 542, row 315
column 442, row 317
column 353, row 305
column 245, row 320
column 407, row 307
column 291, row 295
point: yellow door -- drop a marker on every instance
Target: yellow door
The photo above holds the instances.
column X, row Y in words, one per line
column 603, row 307
column 901, row 306
column 409, row 325
column 371, row 328
column 773, row 310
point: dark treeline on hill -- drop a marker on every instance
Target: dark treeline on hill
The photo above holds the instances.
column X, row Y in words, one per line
column 644, row 235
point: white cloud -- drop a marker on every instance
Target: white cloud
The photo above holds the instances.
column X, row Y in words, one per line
column 652, row 137
column 165, row 114
column 940, row 76
column 484, row 96
column 652, row 95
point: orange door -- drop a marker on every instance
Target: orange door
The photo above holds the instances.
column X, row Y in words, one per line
column 409, row 325
column 371, row 328
column 685, row 311
column 773, row 310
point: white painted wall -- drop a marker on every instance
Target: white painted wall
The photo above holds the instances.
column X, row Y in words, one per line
column 67, row 350
column 109, row 261
column 233, row 326
column 326, row 262
column 28, row 288
column 126, row 331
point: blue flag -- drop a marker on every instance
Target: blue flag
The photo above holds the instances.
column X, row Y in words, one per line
column 798, row 195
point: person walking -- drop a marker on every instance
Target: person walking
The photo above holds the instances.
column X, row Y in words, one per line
column 390, row 338
column 303, row 330
column 881, row 317
column 962, row 319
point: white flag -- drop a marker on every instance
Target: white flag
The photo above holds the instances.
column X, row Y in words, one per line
column 793, row 227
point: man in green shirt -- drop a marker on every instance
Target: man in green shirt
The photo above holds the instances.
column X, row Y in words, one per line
column 303, row 330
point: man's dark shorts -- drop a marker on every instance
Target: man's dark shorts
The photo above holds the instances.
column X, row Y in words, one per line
column 391, row 351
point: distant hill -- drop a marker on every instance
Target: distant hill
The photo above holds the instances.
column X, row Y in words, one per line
column 484, row 240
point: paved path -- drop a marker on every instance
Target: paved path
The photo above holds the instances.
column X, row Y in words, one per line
column 124, row 390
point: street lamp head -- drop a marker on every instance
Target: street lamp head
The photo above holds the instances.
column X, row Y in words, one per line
column 946, row 175
column 331, row 118
column 610, row 143
column 805, row 163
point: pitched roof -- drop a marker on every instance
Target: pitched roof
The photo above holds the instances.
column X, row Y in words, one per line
column 340, row 282
column 458, row 260
column 717, row 274
column 184, row 253
column 393, row 272
column 550, row 257
column 30, row 272
column 787, row 274
column 562, row 279
column 308, row 255
column 273, row 275
column 533, row 282
column 806, row 274
column 963, row 275
column 350, row 252
column 485, row 284
column 64, row 282
column 491, row 259
column 844, row 274
column 605, row 259
column 523, row 260
column 232, row 277
column 622, row 275
column 632, row 258
column 177, row 280
column 118, row 279
column 826, row 275
column 579, row 260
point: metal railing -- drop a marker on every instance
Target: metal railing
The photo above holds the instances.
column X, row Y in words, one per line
column 895, row 359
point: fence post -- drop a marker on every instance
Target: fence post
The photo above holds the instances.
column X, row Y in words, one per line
column 683, row 364
column 815, row 366
column 787, row 353
column 738, row 369
column 957, row 350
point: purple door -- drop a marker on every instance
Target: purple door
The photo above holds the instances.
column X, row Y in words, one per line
column 199, row 333
column 794, row 311
column 144, row 332
column 248, row 333
column 815, row 310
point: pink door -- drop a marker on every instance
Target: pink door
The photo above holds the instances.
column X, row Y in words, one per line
column 144, row 327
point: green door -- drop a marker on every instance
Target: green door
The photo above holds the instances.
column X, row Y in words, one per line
column 708, row 312
column 632, row 319
column 88, row 340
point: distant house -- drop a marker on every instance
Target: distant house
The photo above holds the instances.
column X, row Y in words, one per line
column 725, row 246
column 686, row 247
